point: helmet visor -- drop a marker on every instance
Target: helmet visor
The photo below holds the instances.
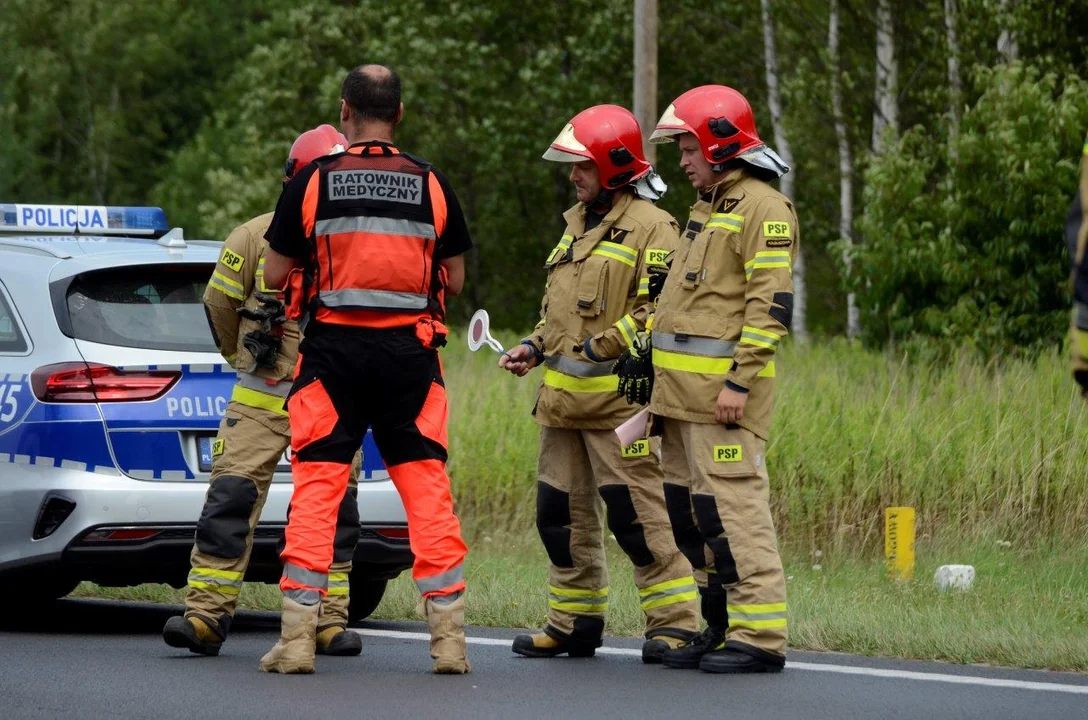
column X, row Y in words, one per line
column 567, row 148
column 669, row 126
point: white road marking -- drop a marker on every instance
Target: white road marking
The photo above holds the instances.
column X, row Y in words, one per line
column 793, row 665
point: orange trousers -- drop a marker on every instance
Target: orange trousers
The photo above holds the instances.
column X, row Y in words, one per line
column 349, row 379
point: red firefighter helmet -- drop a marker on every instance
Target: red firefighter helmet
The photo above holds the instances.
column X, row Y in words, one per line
column 719, row 116
column 610, row 136
column 312, row 144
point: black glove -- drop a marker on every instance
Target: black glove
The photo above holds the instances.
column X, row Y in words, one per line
column 270, row 312
column 636, row 373
column 264, row 344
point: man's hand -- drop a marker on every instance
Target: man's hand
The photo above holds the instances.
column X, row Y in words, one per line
column 518, row 360
column 730, row 408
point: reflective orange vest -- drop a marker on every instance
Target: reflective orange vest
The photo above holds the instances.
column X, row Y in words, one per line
column 374, row 216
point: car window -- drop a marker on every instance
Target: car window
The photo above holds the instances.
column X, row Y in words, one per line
column 154, row 307
column 12, row 339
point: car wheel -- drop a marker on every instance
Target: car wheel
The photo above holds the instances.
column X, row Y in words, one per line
column 366, row 593
column 36, row 590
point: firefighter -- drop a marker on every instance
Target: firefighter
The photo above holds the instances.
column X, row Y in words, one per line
column 724, row 309
column 595, row 306
column 372, row 239
column 1076, row 230
column 247, row 322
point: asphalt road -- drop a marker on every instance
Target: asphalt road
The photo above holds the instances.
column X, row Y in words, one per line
column 99, row 659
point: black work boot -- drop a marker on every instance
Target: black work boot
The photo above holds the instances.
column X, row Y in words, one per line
column 194, row 633
column 335, row 640
column 688, row 655
column 660, row 641
column 737, row 657
column 549, row 642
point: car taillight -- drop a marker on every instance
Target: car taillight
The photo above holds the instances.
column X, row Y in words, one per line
column 121, row 534
column 85, row 382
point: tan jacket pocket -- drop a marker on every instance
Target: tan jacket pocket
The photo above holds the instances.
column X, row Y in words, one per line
column 694, row 262
column 592, row 287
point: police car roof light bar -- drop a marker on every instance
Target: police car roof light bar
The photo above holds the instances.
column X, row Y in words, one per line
column 126, row 221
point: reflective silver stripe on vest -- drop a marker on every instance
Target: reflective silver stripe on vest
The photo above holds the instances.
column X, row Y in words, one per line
column 303, row 597
column 307, row 577
column 372, row 300
column 255, row 382
column 690, row 345
column 435, row 583
column 577, row 368
column 378, row 225
column 1081, row 315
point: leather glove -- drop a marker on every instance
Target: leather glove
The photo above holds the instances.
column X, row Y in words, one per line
column 657, row 275
column 636, row 371
column 270, row 312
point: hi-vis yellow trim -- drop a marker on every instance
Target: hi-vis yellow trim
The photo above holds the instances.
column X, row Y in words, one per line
column 668, row 360
column 760, row 338
column 773, row 229
column 1080, row 341
column 606, row 383
column 225, row 285
column 338, row 584
column 224, row 582
column 262, row 401
column 562, row 247
column 766, row 260
column 626, row 326
column 729, row 221
column 577, row 600
column 769, row 616
column 222, row 589
column 259, row 275
column 624, row 254
column 637, row 449
column 669, row 592
column 655, row 256
column 229, row 575
column 232, row 259
column 643, row 287
column 769, row 370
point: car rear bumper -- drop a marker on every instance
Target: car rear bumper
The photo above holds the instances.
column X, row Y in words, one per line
column 32, row 497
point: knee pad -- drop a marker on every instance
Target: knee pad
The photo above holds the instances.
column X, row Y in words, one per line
column 553, row 523
column 684, row 532
column 624, row 524
column 710, row 525
column 224, row 524
column 347, row 527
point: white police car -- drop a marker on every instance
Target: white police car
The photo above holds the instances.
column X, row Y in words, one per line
column 111, row 390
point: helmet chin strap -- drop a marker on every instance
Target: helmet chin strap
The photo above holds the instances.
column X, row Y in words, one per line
column 602, row 203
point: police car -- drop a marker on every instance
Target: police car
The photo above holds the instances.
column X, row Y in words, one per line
column 111, row 391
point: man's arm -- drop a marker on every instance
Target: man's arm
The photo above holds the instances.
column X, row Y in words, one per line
column 288, row 238
column 455, row 279
column 277, row 267
column 454, row 240
column 229, row 286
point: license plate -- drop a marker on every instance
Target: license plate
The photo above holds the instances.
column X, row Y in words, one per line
column 204, row 452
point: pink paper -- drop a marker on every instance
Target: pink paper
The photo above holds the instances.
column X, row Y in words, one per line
column 635, row 428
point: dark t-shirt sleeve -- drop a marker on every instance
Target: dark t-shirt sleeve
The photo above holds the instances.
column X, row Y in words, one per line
column 285, row 235
column 455, row 239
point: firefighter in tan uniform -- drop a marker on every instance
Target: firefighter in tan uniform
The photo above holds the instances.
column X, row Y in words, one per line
column 1076, row 230
column 724, row 309
column 595, row 306
column 247, row 322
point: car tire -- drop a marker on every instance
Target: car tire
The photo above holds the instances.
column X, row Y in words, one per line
column 366, row 593
column 38, row 590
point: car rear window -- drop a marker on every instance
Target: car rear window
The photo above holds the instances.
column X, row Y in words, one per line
column 155, row 307
column 11, row 337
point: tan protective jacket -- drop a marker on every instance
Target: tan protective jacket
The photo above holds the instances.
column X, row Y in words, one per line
column 1078, row 240
column 597, row 289
column 727, row 303
column 238, row 276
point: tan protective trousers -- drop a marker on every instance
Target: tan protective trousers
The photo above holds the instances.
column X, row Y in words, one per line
column 716, row 488
column 577, row 469
column 246, row 451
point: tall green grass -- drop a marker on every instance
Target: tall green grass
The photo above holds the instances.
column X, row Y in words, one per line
column 982, row 451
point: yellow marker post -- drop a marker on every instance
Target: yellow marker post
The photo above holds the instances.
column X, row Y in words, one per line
column 899, row 542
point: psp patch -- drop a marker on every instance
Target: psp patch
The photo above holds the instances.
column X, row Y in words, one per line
column 728, row 453
column 232, row 260
column 637, row 449
column 395, row 187
column 656, row 257
column 775, row 229
column 218, row 446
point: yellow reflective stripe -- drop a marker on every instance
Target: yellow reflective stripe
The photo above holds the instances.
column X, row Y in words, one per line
column 574, row 592
column 665, row 600
column 729, row 221
column 626, row 326
column 624, row 254
column 225, row 285
column 221, row 589
column 760, row 338
column 230, row 575
column 667, row 585
column 606, row 383
column 767, row 616
column 757, row 609
column 767, row 259
column 758, row 624
column 669, row 592
column 260, row 400
column 564, row 244
column 768, row 371
column 668, row 360
column 574, row 600
column 230, row 358
column 338, row 584
column 644, row 286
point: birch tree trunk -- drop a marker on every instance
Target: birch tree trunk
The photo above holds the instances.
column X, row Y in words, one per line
column 645, row 90
column 782, row 145
column 846, row 167
column 955, row 82
column 1006, row 42
column 885, row 100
